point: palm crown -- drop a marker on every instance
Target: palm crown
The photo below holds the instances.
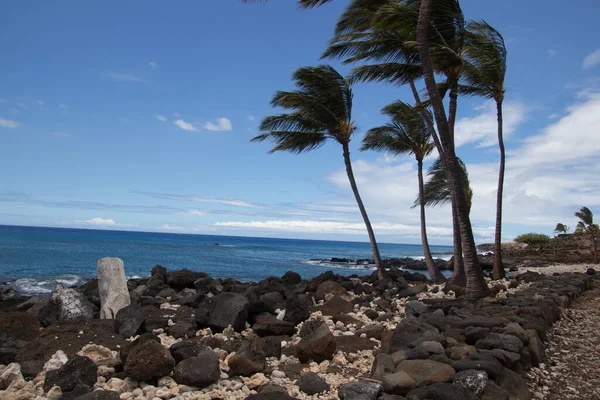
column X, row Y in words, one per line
column 321, row 109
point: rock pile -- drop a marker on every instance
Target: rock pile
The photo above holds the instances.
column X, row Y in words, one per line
column 188, row 336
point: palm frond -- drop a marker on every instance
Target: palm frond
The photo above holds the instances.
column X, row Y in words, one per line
column 436, row 191
column 585, row 216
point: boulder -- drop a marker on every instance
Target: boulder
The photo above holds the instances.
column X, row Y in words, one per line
column 199, row 371
column 371, row 331
column 336, row 306
column 112, row 286
column 297, row 309
column 331, row 288
column 77, row 370
column 129, row 320
column 383, row 364
column 291, row 278
column 476, row 361
column 398, row 383
column 514, row 384
column 271, row 395
column 184, row 328
column 222, row 310
column 500, row 341
column 187, row 349
column 426, row 371
column 309, row 327
column 415, row 308
column 268, row 325
column 442, row 391
column 148, row 360
column 271, row 345
column 132, row 345
column 248, row 360
column 318, row 346
column 360, row 391
column 407, row 331
column 184, row 278
column 66, row 305
column 412, row 290
column 311, row 383
column 475, row 381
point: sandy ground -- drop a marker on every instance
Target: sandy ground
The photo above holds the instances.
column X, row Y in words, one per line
column 560, row 268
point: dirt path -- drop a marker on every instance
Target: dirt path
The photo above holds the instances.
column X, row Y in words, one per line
column 572, row 368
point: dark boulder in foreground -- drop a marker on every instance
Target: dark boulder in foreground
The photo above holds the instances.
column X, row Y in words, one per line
column 129, row 320
column 66, row 305
column 360, row 390
column 76, row 371
column 311, row 383
column 222, row 310
column 200, row 371
column 148, row 360
column 320, row 345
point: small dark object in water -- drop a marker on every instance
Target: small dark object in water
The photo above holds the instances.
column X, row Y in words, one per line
column 216, row 244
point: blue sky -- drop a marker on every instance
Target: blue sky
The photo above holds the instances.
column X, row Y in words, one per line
column 137, row 115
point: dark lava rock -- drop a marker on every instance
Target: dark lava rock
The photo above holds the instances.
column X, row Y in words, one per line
column 473, row 334
column 442, row 391
column 222, row 310
column 311, row 383
column 481, row 321
column 336, row 306
column 184, row 278
column 426, row 371
column 359, row 390
column 383, row 365
column 270, row 396
column 372, row 314
column 77, row 370
column 291, row 278
column 371, row 331
column 412, row 291
column 418, row 353
column 478, row 362
column 500, row 341
column 66, row 305
column 309, row 327
column 148, row 360
column 271, row 326
column 129, row 320
column 415, row 308
column 99, row 395
column 475, row 381
column 131, row 345
column 183, row 328
column 407, row 331
column 297, row 309
column 186, row 349
column 514, row 384
column 200, row 371
column 494, row 392
column 318, row 346
column 157, row 318
column 248, row 360
column 271, row 345
column 79, row 391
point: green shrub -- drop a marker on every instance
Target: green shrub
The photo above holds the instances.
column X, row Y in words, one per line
column 533, row 238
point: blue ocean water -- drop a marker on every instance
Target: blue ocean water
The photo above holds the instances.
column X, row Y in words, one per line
column 35, row 259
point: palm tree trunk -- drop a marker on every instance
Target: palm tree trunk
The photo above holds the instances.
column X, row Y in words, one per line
column 434, row 273
column 498, row 272
column 595, row 244
column 363, row 212
column 458, row 277
column 452, row 107
column 476, row 286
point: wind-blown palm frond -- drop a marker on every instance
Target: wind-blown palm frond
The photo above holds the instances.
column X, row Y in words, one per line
column 407, row 132
column 485, row 66
column 436, row 190
column 585, row 216
column 321, row 108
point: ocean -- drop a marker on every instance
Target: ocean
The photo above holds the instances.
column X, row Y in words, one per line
column 35, row 259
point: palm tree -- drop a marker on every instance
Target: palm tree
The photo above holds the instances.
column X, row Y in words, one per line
column 426, row 27
column 321, row 109
column 561, row 228
column 483, row 74
column 586, row 225
column 407, row 133
column 436, row 193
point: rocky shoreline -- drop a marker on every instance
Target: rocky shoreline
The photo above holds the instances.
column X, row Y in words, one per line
column 188, row 336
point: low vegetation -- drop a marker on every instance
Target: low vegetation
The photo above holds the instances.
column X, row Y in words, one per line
column 533, row 238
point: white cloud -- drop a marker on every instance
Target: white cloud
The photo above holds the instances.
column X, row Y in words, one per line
column 186, row 126
column 552, row 52
column 23, row 106
column 108, row 222
column 123, row 77
column 172, row 228
column 153, row 65
column 161, row 118
column 62, row 134
column 591, row 60
column 7, row 123
column 332, row 227
column 223, row 124
column 553, row 116
column 63, row 107
column 251, row 118
column 40, row 102
column 176, row 115
column 482, row 129
column 195, row 212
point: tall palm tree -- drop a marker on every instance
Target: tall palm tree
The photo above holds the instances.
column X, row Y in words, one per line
column 320, row 109
column 586, row 225
column 483, row 75
column 427, row 27
column 407, row 133
column 436, row 193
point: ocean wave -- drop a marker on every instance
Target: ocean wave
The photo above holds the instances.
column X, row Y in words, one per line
column 44, row 285
column 344, row 265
